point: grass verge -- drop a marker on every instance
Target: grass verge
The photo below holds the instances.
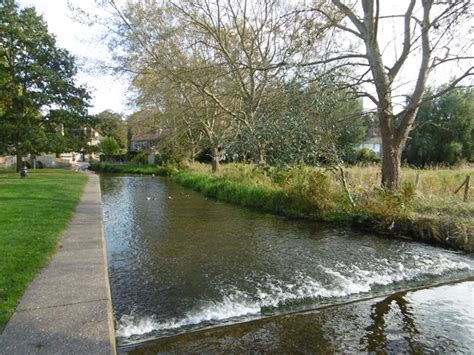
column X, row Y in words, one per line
column 166, row 170
column 34, row 212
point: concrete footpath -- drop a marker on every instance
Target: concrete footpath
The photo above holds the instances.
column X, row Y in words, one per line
column 67, row 308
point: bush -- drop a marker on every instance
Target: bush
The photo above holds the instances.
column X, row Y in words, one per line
column 366, row 156
column 109, row 146
column 385, row 207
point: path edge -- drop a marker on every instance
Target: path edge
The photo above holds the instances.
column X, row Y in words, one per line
column 110, row 311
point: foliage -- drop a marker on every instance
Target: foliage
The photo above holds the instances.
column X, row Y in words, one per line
column 35, row 211
column 447, row 121
column 366, row 156
column 109, row 146
column 313, row 124
column 163, row 170
column 235, row 79
column 384, row 206
column 41, row 107
column 111, row 124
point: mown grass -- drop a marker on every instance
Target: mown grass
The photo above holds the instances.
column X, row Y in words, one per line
column 34, row 212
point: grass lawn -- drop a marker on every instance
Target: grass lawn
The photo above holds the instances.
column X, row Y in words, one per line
column 33, row 213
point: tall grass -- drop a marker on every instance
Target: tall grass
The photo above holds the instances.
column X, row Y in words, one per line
column 434, row 192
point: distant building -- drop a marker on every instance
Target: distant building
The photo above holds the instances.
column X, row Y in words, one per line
column 147, row 141
column 373, row 142
column 94, row 136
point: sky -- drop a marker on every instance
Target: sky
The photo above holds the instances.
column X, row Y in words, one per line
column 108, row 90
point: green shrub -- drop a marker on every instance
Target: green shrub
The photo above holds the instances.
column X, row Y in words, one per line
column 366, row 156
column 385, row 207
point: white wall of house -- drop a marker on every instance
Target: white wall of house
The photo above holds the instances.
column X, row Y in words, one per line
column 7, row 162
column 48, row 161
column 374, row 147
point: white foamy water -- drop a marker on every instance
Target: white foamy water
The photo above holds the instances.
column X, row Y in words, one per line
column 342, row 281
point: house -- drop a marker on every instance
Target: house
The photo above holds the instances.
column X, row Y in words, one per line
column 373, row 142
column 147, row 141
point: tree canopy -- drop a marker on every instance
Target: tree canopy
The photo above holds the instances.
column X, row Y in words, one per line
column 111, row 124
column 236, row 76
column 42, row 109
column 214, row 75
column 444, row 133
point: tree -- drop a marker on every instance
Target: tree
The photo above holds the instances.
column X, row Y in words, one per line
column 111, row 124
column 41, row 106
column 447, row 120
column 109, row 146
column 250, row 41
column 229, row 54
column 316, row 123
column 429, row 32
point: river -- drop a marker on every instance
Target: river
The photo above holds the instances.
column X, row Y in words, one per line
column 194, row 274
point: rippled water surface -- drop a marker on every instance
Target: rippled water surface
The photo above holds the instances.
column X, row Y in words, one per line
column 179, row 262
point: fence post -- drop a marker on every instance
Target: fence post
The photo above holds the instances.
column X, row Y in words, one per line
column 417, row 181
column 467, row 187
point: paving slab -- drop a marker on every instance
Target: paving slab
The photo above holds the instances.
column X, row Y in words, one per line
column 67, row 308
column 72, row 329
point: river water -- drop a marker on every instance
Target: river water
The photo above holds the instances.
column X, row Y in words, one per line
column 193, row 274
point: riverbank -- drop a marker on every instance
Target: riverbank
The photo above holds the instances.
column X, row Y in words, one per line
column 67, row 308
column 425, row 209
column 35, row 212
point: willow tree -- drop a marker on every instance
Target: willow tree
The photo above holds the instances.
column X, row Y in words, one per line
column 430, row 39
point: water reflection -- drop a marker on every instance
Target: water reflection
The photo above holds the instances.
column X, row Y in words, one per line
column 382, row 315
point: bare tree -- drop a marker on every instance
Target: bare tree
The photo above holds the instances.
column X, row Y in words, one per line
column 252, row 42
column 429, row 28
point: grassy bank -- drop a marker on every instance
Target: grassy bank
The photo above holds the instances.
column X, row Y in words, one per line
column 34, row 212
column 425, row 209
column 135, row 169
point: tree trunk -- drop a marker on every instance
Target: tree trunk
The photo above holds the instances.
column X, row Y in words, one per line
column 391, row 166
column 215, row 159
column 19, row 161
